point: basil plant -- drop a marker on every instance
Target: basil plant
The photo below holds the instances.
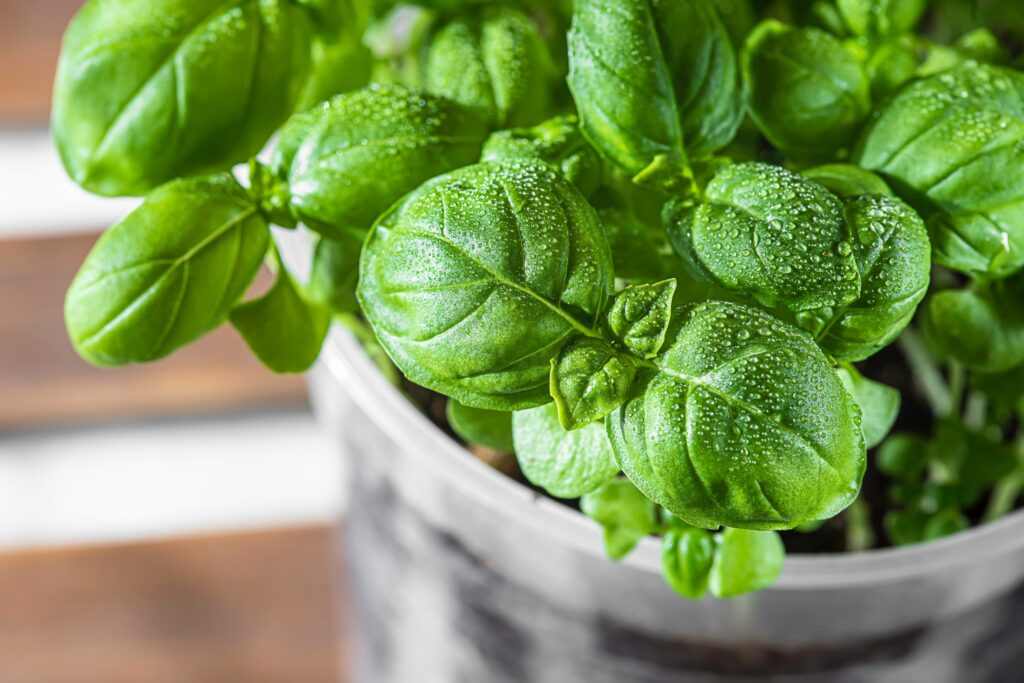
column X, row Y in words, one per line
column 652, row 247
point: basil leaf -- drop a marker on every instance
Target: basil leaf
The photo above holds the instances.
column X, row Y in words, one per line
column 558, row 142
column 746, row 561
column 879, row 404
column 771, row 234
column 881, row 18
column 625, row 515
column 687, row 556
column 166, row 274
column 890, row 244
column 489, row 428
column 807, row 92
column 640, row 249
column 356, row 155
column 494, row 63
column 902, row 456
column 847, row 181
column 176, row 88
column 565, row 464
column 655, row 83
column 723, row 432
column 283, row 329
column 589, row 379
column 982, row 328
column 335, row 272
column 944, row 523
column 639, row 317
column 904, row 527
column 948, row 144
column 475, row 281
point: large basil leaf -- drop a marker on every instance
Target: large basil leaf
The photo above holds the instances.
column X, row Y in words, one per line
column 981, row 327
column 655, row 83
column 806, row 90
column 846, row 180
column 949, row 144
column 494, row 63
column 890, row 243
column 771, row 234
column 743, row 423
column 565, row 464
column 881, row 18
column 350, row 159
column 175, row 87
column 168, row 273
column 475, row 281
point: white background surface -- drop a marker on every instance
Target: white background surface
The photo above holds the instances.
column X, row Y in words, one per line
column 143, row 480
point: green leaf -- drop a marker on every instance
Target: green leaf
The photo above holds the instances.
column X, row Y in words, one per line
column 982, row 327
column 283, row 329
column 944, row 523
column 589, row 379
column 746, row 561
column 686, row 561
column 475, row 281
column 890, row 244
column 493, row 62
column 557, row 142
column 655, row 82
column 879, row 404
column 565, row 464
column 881, row 18
column 772, row 235
column 639, row 317
column 948, row 144
column 640, row 249
column 166, row 274
column 624, row 513
column 335, row 272
column 902, row 456
column 807, row 92
column 904, row 527
column 490, row 428
column 180, row 88
column 723, row 432
column 847, row 181
column 351, row 158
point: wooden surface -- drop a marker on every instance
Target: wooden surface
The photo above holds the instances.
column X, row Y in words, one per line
column 244, row 608
column 30, row 35
column 43, row 381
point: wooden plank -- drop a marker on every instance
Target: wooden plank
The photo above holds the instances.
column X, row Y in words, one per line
column 30, row 35
column 243, row 608
column 43, row 381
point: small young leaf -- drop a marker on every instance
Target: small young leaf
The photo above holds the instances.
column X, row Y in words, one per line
column 490, row 428
column 639, row 317
column 902, row 456
column 944, row 523
column 746, row 561
column 589, row 379
column 565, row 464
column 626, row 515
column 168, row 273
column 879, row 404
column 282, row 328
column 335, row 273
column 881, row 18
column 687, row 557
column 904, row 527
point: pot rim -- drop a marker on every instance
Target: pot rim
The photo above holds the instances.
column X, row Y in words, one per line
column 347, row 363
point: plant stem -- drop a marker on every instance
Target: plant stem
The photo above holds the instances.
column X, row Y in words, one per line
column 957, row 385
column 859, row 533
column 1008, row 489
column 927, row 375
column 975, row 410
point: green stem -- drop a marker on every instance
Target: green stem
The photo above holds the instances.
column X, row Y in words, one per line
column 859, row 533
column 975, row 411
column 957, row 385
column 1008, row 489
column 927, row 375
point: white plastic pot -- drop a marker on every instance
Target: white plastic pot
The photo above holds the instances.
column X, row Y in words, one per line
column 460, row 574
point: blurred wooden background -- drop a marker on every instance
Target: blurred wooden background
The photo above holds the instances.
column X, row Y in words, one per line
column 241, row 608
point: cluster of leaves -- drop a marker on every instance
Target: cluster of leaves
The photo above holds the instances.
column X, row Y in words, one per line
column 642, row 243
